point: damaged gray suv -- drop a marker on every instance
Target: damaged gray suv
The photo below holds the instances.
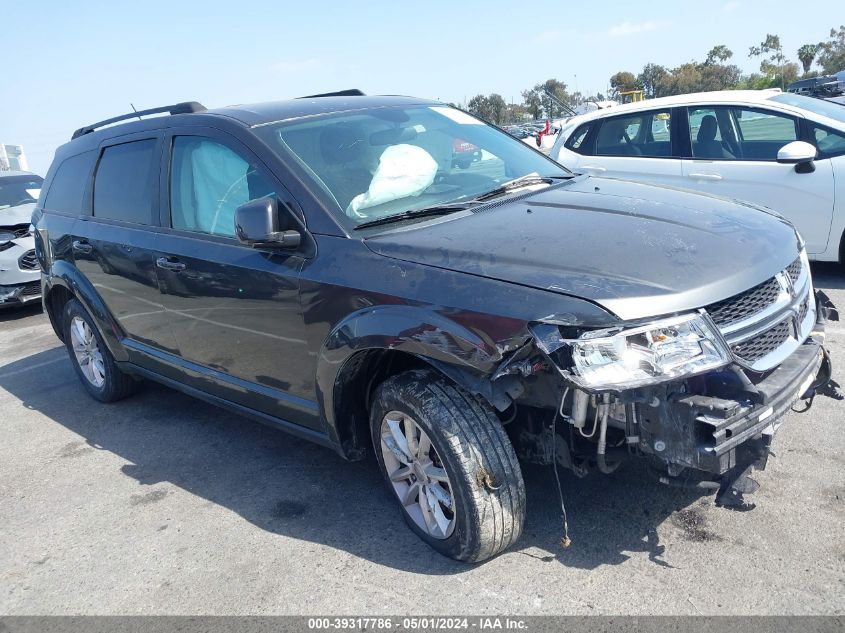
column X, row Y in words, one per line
column 320, row 265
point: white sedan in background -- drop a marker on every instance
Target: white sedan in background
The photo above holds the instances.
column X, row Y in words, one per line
column 778, row 150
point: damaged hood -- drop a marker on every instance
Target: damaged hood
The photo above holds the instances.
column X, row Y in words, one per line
column 13, row 216
column 636, row 250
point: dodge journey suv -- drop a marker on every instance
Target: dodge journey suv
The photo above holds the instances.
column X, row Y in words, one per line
column 322, row 266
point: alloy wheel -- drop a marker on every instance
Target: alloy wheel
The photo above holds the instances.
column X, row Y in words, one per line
column 87, row 352
column 417, row 475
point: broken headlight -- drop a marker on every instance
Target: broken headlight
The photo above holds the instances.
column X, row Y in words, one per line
column 620, row 358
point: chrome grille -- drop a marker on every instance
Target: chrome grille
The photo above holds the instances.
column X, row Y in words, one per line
column 745, row 304
column 32, row 289
column 794, row 270
column 20, row 230
column 28, row 261
column 765, row 324
column 756, row 348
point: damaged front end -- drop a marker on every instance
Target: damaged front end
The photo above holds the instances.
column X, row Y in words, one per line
column 699, row 394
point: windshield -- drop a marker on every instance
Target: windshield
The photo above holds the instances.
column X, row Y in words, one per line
column 818, row 106
column 382, row 162
column 15, row 190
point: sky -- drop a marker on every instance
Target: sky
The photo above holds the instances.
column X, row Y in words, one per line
column 67, row 64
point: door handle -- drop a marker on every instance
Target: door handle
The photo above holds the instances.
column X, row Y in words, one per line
column 82, row 247
column 594, row 168
column 705, row 176
column 170, row 263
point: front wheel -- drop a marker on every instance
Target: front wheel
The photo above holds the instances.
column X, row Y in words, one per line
column 450, row 465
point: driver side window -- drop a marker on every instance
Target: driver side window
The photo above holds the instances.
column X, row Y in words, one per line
column 208, row 181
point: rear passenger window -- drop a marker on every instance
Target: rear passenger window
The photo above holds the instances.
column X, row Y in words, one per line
column 711, row 134
column 67, row 190
column 123, row 186
column 646, row 134
column 208, row 181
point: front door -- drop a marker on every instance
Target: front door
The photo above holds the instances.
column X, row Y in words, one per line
column 234, row 309
column 734, row 154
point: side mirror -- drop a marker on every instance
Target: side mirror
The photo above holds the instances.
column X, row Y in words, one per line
column 257, row 224
column 796, row 152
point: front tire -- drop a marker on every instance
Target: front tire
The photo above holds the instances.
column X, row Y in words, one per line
column 91, row 359
column 450, row 465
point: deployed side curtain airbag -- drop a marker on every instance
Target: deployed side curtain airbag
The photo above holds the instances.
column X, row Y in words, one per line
column 220, row 186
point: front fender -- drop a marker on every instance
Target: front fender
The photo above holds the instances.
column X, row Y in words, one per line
column 63, row 273
column 464, row 354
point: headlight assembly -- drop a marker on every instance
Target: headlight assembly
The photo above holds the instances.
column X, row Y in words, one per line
column 620, row 358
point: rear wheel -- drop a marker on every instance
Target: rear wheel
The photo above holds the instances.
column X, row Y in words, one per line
column 449, row 464
column 91, row 359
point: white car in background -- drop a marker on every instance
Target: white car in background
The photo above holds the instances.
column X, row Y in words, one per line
column 778, row 150
column 20, row 273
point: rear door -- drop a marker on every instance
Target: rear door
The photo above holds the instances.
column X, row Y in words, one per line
column 113, row 245
column 234, row 309
column 636, row 146
column 746, row 167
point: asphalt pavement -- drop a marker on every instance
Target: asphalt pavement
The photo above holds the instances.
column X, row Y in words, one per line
column 162, row 504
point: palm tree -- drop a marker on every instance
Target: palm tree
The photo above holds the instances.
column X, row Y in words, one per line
column 807, row 54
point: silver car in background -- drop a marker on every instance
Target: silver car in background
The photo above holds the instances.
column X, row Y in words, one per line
column 20, row 274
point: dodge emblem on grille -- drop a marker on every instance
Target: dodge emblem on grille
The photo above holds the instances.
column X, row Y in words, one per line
column 786, row 283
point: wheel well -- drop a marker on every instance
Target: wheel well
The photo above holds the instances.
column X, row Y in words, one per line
column 354, row 387
column 55, row 304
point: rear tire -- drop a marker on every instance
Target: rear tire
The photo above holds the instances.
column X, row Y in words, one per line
column 469, row 497
column 91, row 359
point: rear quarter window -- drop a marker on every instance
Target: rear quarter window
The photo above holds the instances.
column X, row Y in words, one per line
column 67, row 189
column 577, row 142
column 123, row 186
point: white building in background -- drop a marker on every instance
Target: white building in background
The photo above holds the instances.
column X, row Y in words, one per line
column 12, row 158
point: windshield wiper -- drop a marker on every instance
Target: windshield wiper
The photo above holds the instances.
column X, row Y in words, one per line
column 524, row 181
column 443, row 209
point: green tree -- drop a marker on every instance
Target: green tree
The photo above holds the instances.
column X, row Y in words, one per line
column 653, row 79
column 719, row 76
column 479, row 105
column 550, row 105
column 533, row 103
column 832, row 53
column 622, row 81
column 684, row 79
column 498, row 108
column 718, row 54
column 806, row 55
column 773, row 58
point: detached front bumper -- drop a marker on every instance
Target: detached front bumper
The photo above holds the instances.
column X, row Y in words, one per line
column 709, row 434
column 718, row 434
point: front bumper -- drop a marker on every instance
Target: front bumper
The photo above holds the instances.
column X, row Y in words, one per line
column 711, row 434
column 20, row 274
column 20, row 294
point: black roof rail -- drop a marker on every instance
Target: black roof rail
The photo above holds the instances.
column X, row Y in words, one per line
column 178, row 108
column 351, row 92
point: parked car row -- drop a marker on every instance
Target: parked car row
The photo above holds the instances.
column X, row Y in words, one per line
column 327, row 266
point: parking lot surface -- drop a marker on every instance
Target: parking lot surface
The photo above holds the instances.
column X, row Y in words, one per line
column 162, row 504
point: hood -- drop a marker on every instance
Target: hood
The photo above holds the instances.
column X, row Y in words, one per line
column 636, row 250
column 12, row 216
